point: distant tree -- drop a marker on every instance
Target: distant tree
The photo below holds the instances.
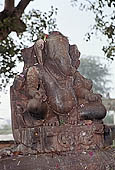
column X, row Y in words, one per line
column 104, row 16
column 5, row 129
column 109, row 119
column 17, row 30
column 92, row 69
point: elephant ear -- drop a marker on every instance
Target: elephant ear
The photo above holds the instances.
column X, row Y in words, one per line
column 75, row 55
column 74, row 52
column 29, row 57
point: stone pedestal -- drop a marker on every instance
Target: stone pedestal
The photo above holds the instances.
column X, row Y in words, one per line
column 52, row 139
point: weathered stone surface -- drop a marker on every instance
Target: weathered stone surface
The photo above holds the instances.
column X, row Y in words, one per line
column 92, row 159
column 62, row 138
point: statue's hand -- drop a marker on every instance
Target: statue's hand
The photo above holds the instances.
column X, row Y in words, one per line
column 41, row 96
column 91, row 97
column 40, row 44
column 19, row 81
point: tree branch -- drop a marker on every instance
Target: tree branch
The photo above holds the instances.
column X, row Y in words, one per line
column 9, row 5
column 21, row 7
column 10, row 18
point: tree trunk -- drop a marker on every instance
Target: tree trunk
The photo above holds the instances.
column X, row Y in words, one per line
column 9, row 5
column 10, row 18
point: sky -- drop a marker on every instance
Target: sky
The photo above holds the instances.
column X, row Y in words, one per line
column 74, row 24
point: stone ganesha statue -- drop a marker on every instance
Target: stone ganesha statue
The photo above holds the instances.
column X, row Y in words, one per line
column 53, row 86
column 61, row 87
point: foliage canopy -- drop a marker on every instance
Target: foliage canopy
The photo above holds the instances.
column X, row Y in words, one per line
column 104, row 16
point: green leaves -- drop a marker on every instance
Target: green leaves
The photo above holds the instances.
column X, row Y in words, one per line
column 7, row 61
column 104, row 16
column 38, row 22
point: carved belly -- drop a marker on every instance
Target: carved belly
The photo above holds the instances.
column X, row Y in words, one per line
column 62, row 101
column 61, row 97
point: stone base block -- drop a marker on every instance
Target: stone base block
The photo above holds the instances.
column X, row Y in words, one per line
column 86, row 160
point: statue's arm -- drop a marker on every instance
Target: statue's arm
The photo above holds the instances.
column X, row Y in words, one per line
column 19, row 82
column 83, row 88
column 35, row 90
column 32, row 81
